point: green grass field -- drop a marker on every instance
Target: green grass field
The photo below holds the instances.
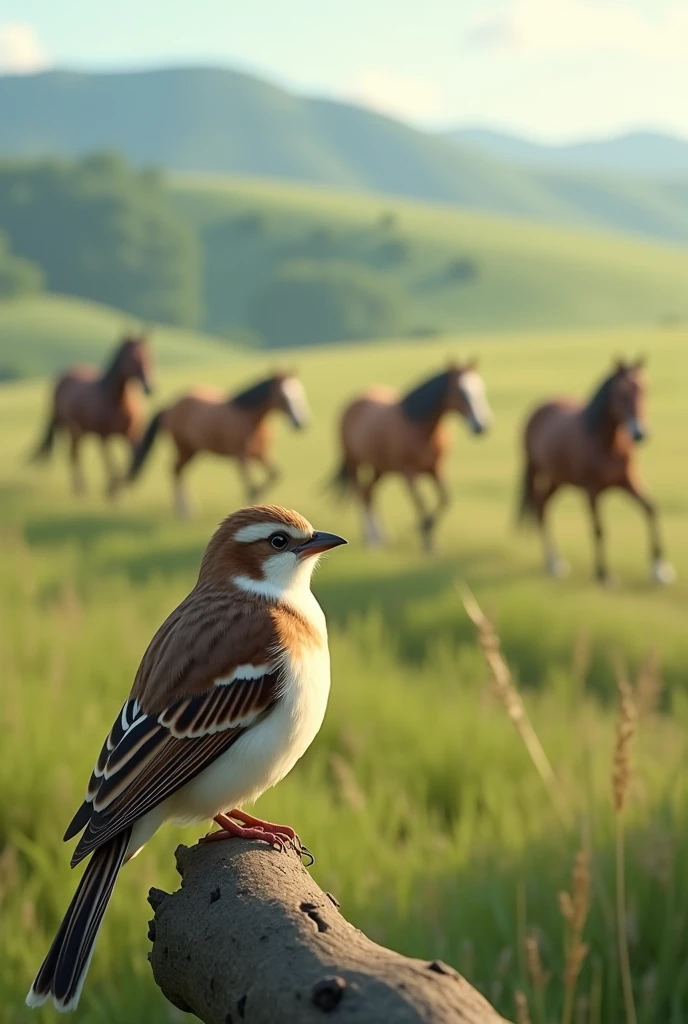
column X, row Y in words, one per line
column 427, row 818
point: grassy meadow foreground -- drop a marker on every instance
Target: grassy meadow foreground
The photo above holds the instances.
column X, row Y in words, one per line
column 424, row 811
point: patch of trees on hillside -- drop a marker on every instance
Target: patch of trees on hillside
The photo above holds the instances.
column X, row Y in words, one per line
column 307, row 303
column 258, row 275
column 102, row 230
column 18, row 276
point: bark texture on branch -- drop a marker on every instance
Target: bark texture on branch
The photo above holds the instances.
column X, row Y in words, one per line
column 251, row 937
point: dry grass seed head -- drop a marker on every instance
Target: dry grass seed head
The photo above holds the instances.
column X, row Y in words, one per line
column 625, row 731
column 574, row 907
column 522, row 1012
column 538, row 976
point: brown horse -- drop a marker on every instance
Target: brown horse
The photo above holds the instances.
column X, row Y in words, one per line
column 205, row 420
column 590, row 447
column 86, row 401
column 385, row 433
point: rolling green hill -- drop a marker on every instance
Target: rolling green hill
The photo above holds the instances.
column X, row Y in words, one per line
column 457, row 270
column 219, row 120
column 45, row 333
column 454, row 270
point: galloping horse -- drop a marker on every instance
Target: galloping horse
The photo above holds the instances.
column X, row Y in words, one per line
column 590, row 447
column 105, row 404
column 206, row 420
column 386, row 433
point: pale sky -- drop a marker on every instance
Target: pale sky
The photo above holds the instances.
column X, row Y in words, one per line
column 551, row 69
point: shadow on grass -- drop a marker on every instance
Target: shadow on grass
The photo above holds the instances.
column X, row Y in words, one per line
column 83, row 527
column 419, row 607
column 398, row 599
column 166, row 563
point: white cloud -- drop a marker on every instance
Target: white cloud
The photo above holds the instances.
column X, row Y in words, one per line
column 556, row 27
column 400, row 96
column 20, row 50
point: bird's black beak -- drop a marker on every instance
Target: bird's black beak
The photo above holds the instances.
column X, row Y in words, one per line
column 318, row 543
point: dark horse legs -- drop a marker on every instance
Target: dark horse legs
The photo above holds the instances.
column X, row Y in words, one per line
column 661, row 570
column 112, row 475
column 600, row 563
column 78, row 483
column 372, row 531
column 181, row 502
column 428, row 520
column 553, row 563
column 254, row 491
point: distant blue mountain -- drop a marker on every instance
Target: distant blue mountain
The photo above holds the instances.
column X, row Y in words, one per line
column 639, row 153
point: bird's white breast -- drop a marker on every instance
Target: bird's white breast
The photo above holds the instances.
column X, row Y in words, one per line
column 269, row 749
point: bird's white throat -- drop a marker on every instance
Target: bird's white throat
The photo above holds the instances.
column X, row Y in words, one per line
column 287, row 578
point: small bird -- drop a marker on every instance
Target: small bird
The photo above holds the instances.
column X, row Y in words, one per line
column 229, row 695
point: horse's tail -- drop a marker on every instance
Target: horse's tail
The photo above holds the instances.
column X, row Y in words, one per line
column 44, row 449
column 344, row 479
column 144, row 446
column 527, row 504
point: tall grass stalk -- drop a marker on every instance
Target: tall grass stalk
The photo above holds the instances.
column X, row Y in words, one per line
column 621, row 778
column 522, row 1012
column 574, row 907
column 511, row 700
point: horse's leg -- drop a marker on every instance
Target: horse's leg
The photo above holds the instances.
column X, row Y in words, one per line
column 181, row 503
column 252, row 489
column 426, row 521
column 272, row 475
column 661, row 570
column 442, row 496
column 113, row 476
column 78, row 483
column 372, row 531
column 555, row 565
column 601, row 571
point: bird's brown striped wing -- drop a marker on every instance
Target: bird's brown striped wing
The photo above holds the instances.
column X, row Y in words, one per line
column 148, row 757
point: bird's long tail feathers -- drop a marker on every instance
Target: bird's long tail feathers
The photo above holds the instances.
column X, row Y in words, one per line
column 64, row 969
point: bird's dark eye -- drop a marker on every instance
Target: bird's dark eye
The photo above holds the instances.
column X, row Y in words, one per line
column 279, row 541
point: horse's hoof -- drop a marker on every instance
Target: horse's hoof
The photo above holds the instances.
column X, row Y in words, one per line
column 663, row 572
column 605, row 579
column 558, row 568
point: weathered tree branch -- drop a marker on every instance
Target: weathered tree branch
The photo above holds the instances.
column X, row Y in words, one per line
column 250, row 936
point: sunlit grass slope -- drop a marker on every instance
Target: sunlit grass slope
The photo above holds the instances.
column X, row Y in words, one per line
column 526, row 275
column 426, row 817
column 47, row 333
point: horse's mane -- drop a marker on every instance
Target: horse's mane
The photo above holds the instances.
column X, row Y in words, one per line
column 113, row 361
column 594, row 412
column 423, row 400
column 253, row 396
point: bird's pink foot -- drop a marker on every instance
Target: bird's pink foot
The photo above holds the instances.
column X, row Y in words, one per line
column 232, row 830
column 276, row 835
column 279, row 836
column 268, row 826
